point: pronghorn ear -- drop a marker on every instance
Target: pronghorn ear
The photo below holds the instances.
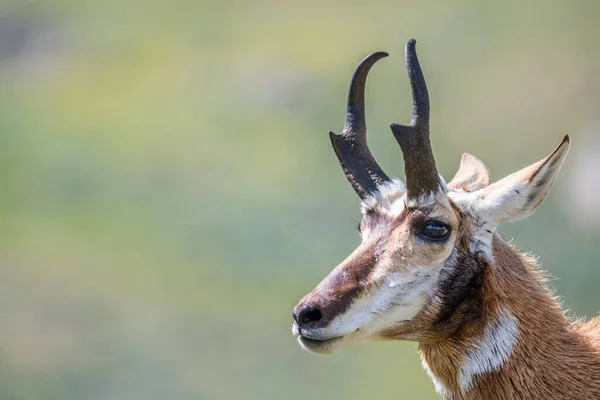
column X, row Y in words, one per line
column 472, row 175
column 517, row 195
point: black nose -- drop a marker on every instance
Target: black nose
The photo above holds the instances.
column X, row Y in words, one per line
column 306, row 315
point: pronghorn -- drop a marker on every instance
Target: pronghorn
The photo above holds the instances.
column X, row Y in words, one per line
column 432, row 268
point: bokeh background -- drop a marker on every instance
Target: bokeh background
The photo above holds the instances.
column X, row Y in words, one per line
column 168, row 190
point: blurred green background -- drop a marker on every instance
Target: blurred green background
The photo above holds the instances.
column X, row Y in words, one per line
column 169, row 191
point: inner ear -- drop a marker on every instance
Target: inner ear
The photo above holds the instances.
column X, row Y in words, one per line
column 520, row 193
column 472, row 175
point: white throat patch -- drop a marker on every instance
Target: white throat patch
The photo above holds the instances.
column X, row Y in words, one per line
column 490, row 354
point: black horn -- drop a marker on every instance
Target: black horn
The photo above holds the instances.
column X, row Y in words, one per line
column 419, row 165
column 350, row 146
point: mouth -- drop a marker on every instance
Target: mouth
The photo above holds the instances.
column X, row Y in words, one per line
column 319, row 346
column 314, row 344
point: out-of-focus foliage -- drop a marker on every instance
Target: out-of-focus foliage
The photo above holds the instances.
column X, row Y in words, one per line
column 169, row 191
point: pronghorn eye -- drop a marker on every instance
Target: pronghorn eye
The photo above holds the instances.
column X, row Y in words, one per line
column 435, row 230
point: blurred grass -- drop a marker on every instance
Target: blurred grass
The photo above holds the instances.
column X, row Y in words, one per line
column 170, row 191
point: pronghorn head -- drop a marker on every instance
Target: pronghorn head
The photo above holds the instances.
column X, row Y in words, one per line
column 424, row 243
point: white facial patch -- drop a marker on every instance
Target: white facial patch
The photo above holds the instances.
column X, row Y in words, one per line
column 399, row 298
column 490, row 354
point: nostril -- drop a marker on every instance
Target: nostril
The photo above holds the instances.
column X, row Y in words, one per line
column 309, row 314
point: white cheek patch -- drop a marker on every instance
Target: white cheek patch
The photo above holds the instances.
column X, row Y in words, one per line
column 490, row 354
column 399, row 298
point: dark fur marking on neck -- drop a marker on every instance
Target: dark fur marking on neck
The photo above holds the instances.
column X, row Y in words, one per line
column 460, row 289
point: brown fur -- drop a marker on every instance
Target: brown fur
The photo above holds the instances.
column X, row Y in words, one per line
column 553, row 359
column 334, row 294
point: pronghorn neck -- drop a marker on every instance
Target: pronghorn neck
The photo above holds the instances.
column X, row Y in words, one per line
column 519, row 346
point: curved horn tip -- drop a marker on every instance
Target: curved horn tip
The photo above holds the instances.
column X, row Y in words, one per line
column 410, row 45
column 381, row 54
column 374, row 57
column 410, row 54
